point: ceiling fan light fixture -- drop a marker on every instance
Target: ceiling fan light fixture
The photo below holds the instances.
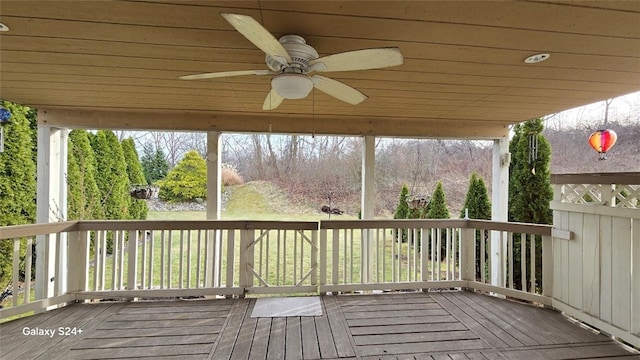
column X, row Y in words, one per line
column 533, row 59
column 292, row 86
column 3, row 27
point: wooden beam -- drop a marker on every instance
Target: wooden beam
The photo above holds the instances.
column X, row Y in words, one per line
column 273, row 122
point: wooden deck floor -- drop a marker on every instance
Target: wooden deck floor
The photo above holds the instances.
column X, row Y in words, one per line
column 448, row 325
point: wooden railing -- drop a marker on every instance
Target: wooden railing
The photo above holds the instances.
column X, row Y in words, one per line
column 149, row 259
column 596, row 274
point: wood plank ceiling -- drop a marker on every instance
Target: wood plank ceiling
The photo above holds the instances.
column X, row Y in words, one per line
column 116, row 63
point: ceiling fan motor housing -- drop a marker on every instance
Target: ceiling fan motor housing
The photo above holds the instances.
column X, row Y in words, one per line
column 301, row 54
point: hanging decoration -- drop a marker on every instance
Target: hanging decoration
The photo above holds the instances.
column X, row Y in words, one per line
column 533, row 151
column 5, row 115
column 602, row 141
column 142, row 192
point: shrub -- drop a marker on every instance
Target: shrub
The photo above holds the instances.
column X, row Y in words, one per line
column 230, row 175
column 187, row 181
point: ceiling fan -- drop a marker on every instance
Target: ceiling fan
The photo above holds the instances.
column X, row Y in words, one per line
column 291, row 60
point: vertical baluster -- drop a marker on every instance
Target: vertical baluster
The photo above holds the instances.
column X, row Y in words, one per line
column 284, row 257
column 351, row 241
column 394, row 239
column 335, row 257
column 523, row 261
column 56, row 266
column 483, row 256
column 398, row 258
column 151, row 252
column 181, row 262
column 344, row 260
column 27, row 277
column 266, row 262
column 432, row 245
column 189, row 259
column 217, row 252
column 424, row 250
column 510, row 256
column 103, row 260
column 454, row 242
column 123, row 237
column 503, row 261
column 278, row 260
column 409, row 241
column 169, row 258
column 301, row 255
column 16, row 270
column 377, row 259
column 162, row 258
column 199, row 258
column 295, row 257
column 532, row 259
column 143, row 257
column 490, row 251
column 447, row 234
column 231, row 245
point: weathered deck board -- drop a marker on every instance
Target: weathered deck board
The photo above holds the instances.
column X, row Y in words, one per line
column 447, row 325
column 494, row 335
column 231, row 331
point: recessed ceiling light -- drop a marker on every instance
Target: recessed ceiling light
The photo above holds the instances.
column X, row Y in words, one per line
column 536, row 58
column 3, row 27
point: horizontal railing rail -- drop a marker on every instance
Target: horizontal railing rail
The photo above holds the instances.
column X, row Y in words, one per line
column 148, row 259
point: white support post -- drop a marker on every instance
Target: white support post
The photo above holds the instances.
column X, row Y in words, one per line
column 51, row 206
column 499, row 207
column 368, row 202
column 214, row 206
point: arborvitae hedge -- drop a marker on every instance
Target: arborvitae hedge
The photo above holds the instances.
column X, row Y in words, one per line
column 111, row 175
column 17, row 180
column 138, row 209
column 84, row 201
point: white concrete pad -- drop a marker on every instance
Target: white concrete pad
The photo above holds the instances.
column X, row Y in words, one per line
column 287, row 306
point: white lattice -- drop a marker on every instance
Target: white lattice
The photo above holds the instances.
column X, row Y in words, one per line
column 627, row 196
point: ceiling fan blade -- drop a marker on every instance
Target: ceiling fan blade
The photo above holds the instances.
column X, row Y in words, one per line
column 225, row 74
column 257, row 34
column 338, row 90
column 359, row 60
column 272, row 101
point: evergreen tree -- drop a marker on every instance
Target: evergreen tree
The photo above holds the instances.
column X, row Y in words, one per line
column 530, row 189
column 154, row 164
column 187, row 181
column 111, row 175
column 402, row 210
column 138, row 209
column 82, row 191
column 438, row 208
column 479, row 206
column 477, row 199
column 17, row 180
